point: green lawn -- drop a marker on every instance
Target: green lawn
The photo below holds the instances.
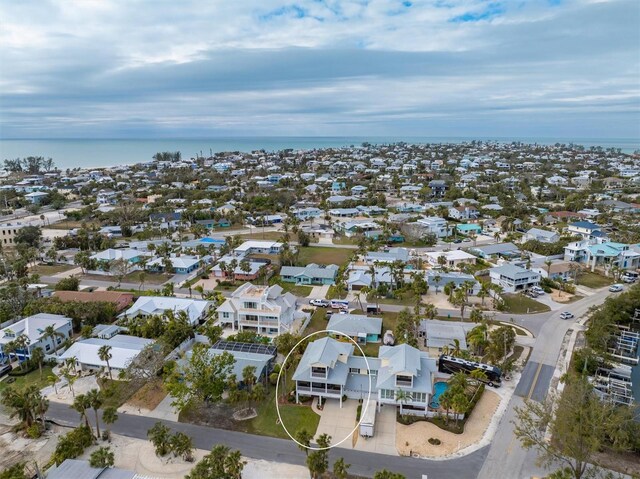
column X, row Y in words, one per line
column 404, row 298
column 345, row 240
column 51, row 269
column 301, row 291
column 520, row 304
column 294, row 416
column 33, row 378
column 593, row 280
column 149, row 278
column 318, row 321
column 320, row 255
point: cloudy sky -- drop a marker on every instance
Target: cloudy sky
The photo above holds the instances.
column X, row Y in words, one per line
column 203, row 68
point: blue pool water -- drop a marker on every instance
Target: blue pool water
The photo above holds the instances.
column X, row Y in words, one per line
column 438, row 389
column 211, row 240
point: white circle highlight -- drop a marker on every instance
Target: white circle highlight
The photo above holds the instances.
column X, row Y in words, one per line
column 362, row 414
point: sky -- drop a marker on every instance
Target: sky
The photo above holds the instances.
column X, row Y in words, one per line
column 209, row 68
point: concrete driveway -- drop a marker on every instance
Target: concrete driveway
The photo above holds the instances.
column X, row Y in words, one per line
column 339, row 424
column 384, row 436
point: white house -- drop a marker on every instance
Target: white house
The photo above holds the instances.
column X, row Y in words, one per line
column 123, row 350
column 541, row 235
column 33, row 328
column 263, row 309
column 196, row 309
column 451, row 259
column 258, row 247
column 434, row 225
column 513, row 278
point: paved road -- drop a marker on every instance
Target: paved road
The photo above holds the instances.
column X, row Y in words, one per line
column 260, row 447
column 506, row 457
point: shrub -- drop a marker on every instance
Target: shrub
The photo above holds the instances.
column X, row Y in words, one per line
column 72, row 444
column 358, row 412
column 34, row 431
column 435, row 441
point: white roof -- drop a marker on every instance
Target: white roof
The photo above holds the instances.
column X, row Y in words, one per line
column 454, row 255
column 123, row 350
column 33, row 326
column 115, row 254
column 149, row 305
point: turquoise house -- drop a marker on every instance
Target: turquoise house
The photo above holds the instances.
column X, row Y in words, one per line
column 468, row 228
column 362, row 329
column 311, row 274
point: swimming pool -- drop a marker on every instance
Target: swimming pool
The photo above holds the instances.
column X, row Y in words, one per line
column 438, row 389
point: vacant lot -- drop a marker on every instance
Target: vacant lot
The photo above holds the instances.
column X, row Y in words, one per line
column 51, row 269
column 319, row 255
column 593, row 280
column 259, row 235
column 519, row 304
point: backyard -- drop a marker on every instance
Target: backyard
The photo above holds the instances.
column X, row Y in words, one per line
column 320, row 255
column 298, row 290
column 520, row 304
column 30, row 379
column 593, row 280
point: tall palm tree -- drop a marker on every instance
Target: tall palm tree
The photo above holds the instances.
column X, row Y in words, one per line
column 403, row 397
column 94, row 399
column 50, row 332
column 81, row 404
column 455, row 349
column 104, row 353
column 109, row 416
column 37, row 356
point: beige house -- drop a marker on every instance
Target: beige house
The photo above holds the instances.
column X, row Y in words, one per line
column 8, row 232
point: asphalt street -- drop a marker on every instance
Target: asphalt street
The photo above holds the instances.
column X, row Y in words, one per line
column 281, row 450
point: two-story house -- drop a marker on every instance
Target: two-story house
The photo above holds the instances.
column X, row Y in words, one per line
column 34, row 329
column 263, row 309
column 513, row 278
column 401, row 375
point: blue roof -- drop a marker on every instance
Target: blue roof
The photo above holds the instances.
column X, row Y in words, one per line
column 585, row 224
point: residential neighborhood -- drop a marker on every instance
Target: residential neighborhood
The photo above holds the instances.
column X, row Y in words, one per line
column 403, row 303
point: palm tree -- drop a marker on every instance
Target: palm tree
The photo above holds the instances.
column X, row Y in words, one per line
column 455, row 349
column 548, row 263
column 233, row 465
column 142, row 276
column 104, row 353
column 341, row 469
column 52, row 379
column 81, row 404
column 50, row 332
column 484, row 291
column 496, row 236
column 94, row 399
column 24, row 403
column 403, row 397
column 109, row 416
column 430, row 311
column 37, row 356
column 303, row 438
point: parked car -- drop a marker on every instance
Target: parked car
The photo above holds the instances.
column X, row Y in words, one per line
column 5, row 369
column 538, row 290
column 566, row 315
column 457, row 241
column 321, row 303
column 615, row 288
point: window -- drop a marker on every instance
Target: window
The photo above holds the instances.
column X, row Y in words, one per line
column 225, row 315
column 354, row 370
column 47, row 347
column 250, row 305
column 419, row 397
column 387, row 394
column 319, row 372
column 404, row 380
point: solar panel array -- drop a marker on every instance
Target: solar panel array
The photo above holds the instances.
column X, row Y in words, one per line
column 245, row 347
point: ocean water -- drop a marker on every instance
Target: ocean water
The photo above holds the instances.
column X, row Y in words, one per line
column 92, row 153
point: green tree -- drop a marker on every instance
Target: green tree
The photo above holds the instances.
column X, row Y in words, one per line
column 68, row 284
column 104, row 354
column 109, row 416
column 581, row 425
column 220, row 463
column 95, row 400
column 160, row 437
column 384, row 474
column 37, row 356
column 101, row 458
column 203, row 377
column 81, row 403
column 182, row 446
column 304, row 440
column 318, row 460
column 341, row 469
column 26, row 404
